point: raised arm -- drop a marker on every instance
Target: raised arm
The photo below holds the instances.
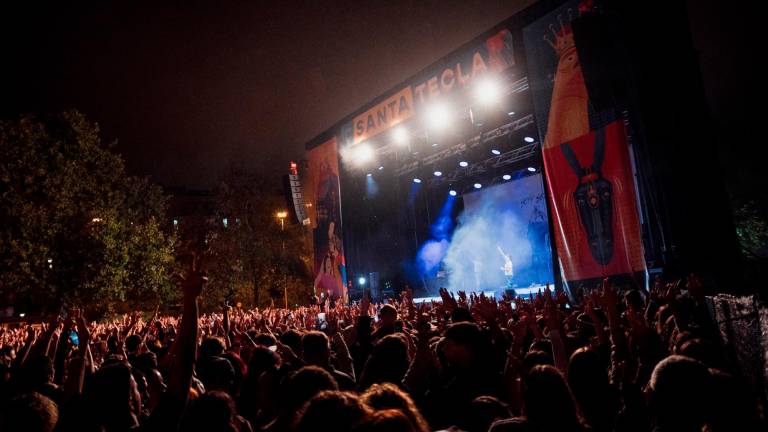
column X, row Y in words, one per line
column 186, row 344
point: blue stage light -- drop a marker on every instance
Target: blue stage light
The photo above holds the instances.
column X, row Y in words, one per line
column 506, row 176
column 438, row 173
column 496, row 152
column 361, row 280
column 368, row 175
column 478, row 185
column 531, row 169
column 417, row 180
column 452, row 192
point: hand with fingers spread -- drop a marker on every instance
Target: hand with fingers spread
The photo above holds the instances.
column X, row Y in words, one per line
column 487, row 309
column 449, row 303
column 462, row 298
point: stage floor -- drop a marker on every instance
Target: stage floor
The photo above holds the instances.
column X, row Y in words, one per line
column 520, row 292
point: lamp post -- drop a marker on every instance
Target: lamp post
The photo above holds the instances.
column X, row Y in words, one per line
column 282, row 214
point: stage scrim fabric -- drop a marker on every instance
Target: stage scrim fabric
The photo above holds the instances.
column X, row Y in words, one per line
column 330, row 271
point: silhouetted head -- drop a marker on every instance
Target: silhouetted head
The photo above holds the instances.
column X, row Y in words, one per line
column 303, row 385
column 483, row 411
column 212, row 411
column 389, row 396
column 536, row 358
column 463, row 344
column 211, row 347
column 216, row 373
column 388, row 362
column 548, row 402
column 333, row 411
column 316, row 348
column 132, row 343
column 292, row 339
column 387, row 315
column 113, row 397
column 386, row 421
column 30, row 412
column 680, row 388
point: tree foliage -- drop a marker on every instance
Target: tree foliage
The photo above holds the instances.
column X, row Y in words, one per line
column 73, row 224
column 251, row 260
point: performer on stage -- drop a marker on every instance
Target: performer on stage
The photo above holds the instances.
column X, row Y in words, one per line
column 508, row 268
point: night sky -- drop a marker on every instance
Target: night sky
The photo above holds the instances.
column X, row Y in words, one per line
column 190, row 87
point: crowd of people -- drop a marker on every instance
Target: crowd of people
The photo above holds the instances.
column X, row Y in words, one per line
column 619, row 360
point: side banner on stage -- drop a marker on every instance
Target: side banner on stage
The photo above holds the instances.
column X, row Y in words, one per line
column 586, row 158
column 593, row 202
column 330, row 265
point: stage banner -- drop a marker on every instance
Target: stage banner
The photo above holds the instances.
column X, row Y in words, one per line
column 586, row 157
column 592, row 198
column 330, row 265
column 453, row 74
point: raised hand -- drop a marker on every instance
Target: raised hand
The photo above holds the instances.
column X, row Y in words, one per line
column 332, row 323
column 462, row 298
column 608, row 298
column 552, row 316
column 486, row 308
column 194, row 279
column 449, row 302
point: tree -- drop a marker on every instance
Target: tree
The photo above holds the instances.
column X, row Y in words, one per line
column 73, row 224
column 250, row 259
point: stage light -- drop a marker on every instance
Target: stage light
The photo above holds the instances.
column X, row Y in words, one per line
column 437, row 116
column 506, row 176
column 438, row 173
column 478, row 185
column 452, row 192
column 511, row 113
column 363, row 153
column 487, row 91
column 434, row 144
column 417, row 180
column 369, row 175
column 463, row 164
column 400, row 135
column 381, row 167
column 361, row 280
column 531, row 169
column 529, row 139
column 496, row 152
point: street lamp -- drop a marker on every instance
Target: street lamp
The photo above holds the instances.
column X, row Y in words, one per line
column 282, row 214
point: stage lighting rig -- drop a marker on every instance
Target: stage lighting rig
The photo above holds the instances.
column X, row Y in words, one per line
column 400, row 136
column 438, row 116
column 487, row 91
column 363, row 153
